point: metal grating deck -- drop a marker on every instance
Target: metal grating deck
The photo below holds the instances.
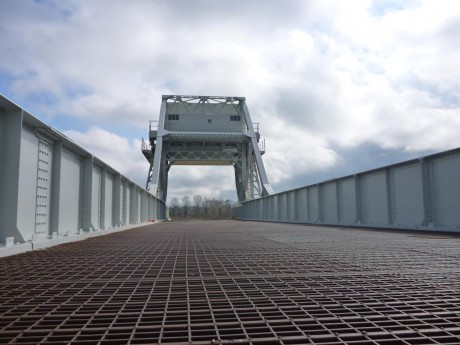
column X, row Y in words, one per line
column 234, row 282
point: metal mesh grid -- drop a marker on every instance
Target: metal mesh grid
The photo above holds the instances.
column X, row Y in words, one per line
column 232, row 282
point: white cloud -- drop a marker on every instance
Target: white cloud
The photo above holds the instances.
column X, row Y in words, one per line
column 117, row 151
column 321, row 77
column 208, row 181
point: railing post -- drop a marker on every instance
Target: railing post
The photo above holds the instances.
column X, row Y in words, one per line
column 320, row 203
column 428, row 193
column 86, row 193
column 390, row 196
column 102, row 223
column 116, row 204
column 55, row 187
column 358, row 194
column 10, row 149
column 338, row 186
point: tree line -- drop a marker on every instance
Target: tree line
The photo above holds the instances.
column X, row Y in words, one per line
column 200, row 207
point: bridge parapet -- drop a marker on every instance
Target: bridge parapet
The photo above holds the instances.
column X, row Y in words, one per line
column 421, row 194
column 52, row 188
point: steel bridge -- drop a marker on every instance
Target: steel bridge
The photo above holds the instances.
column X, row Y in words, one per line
column 367, row 259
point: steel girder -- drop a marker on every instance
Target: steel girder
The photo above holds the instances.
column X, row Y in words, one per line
column 190, row 144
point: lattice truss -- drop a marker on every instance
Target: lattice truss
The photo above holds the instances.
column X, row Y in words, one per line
column 206, row 130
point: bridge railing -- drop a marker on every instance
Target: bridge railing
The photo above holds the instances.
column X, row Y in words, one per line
column 51, row 188
column 419, row 194
column 153, row 125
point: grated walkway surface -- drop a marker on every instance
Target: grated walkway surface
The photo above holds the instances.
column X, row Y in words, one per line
column 232, row 282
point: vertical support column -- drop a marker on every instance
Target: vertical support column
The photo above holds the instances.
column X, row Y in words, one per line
column 151, row 209
column 159, row 214
column 116, row 205
column 86, row 194
column 146, row 206
column 102, row 224
column 144, row 215
column 142, row 206
column 279, row 207
column 338, row 186
column 359, row 206
column 126, row 204
column 154, row 208
column 133, row 205
column 290, row 206
column 261, row 209
column 320, row 204
column 140, row 198
column 266, row 208
column 428, row 193
column 10, row 149
column 297, row 205
column 55, row 187
column 137, row 205
column 390, row 196
column 149, row 206
column 270, row 208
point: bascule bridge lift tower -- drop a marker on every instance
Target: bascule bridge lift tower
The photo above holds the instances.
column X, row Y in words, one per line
column 206, row 130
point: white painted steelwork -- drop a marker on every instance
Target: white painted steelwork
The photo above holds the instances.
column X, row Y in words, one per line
column 51, row 189
column 206, row 130
column 419, row 194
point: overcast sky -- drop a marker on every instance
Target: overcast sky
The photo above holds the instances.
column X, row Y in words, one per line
column 338, row 87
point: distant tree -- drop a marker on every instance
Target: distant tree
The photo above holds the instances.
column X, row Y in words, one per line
column 214, row 208
column 228, row 208
column 206, row 206
column 174, row 208
column 186, row 203
column 202, row 207
column 198, row 204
